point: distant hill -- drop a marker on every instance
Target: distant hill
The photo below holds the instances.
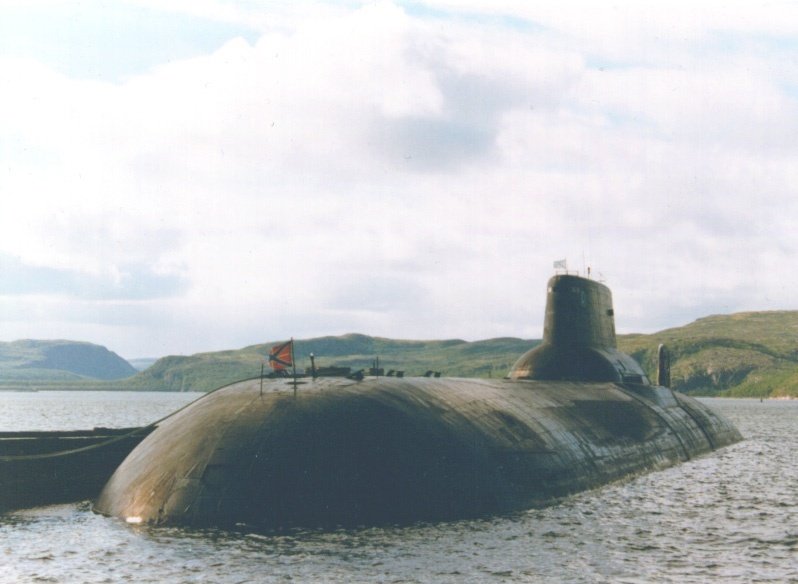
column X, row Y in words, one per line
column 749, row 354
column 142, row 363
column 206, row 371
column 29, row 361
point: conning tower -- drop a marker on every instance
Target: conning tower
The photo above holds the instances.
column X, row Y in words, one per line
column 578, row 337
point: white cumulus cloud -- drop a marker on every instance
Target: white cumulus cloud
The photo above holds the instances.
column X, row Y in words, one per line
column 405, row 170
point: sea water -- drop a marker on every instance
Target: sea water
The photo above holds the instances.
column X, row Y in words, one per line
column 730, row 516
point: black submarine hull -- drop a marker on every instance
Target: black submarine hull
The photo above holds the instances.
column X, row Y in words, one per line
column 386, row 450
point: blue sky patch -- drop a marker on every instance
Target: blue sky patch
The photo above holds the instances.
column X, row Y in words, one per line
column 137, row 283
column 425, row 11
column 108, row 41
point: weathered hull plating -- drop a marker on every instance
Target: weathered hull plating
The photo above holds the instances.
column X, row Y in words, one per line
column 386, row 450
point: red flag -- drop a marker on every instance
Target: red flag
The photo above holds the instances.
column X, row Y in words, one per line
column 282, row 355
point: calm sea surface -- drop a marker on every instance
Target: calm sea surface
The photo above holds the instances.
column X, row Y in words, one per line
column 731, row 516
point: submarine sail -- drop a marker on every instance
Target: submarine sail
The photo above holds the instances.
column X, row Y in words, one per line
column 578, row 337
column 573, row 413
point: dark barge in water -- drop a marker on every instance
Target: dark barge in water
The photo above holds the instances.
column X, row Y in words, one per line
column 43, row 468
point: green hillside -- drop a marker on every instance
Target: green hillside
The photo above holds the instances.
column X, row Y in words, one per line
column 206, row 371
column 752, row 354
column 748, row 354
column 32, row 362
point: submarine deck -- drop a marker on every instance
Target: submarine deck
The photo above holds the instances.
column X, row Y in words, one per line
column 380, row 450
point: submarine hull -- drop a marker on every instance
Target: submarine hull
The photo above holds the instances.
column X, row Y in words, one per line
column 387, row 450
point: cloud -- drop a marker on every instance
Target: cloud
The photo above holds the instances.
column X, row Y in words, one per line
column 108, row 41
column 408, row 170
column 126, row 282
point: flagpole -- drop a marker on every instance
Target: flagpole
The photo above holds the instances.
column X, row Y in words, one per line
column 293, row 365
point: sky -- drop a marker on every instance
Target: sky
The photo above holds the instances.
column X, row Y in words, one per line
column 182, row 176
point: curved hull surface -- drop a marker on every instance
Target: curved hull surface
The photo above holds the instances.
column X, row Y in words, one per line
column 388, row 450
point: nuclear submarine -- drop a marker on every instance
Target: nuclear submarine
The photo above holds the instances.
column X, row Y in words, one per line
column 574, row 413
